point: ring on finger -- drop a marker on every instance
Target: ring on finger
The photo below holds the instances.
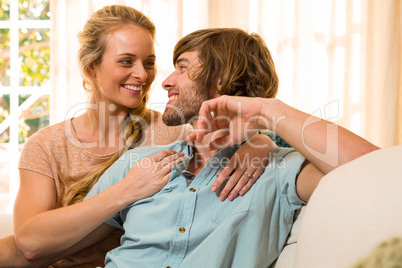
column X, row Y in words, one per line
column 212, row 114
column 249, row 175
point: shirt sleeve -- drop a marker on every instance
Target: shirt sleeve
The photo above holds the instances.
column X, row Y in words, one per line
column 288, row 166
column 35, row 156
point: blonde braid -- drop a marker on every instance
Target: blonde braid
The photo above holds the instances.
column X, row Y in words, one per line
column 133, row 134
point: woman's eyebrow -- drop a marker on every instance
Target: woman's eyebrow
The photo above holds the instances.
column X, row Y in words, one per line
column 134, row 55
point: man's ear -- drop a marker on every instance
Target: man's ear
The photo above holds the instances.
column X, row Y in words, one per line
column 215, row 92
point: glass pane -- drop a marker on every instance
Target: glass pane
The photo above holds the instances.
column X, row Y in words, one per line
column 5, row 138
column 34, row 56
column 4, row 113
column 4, row 57
column 4, row 9
column 35, row 117
column 33, row 9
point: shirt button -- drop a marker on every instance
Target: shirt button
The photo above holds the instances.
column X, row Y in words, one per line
column 182, row 230
column 168, row 267
column 192, row 190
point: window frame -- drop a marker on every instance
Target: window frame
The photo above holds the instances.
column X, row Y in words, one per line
column 14, row 90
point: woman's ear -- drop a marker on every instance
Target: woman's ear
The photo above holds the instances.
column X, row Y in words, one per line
column 91, row 70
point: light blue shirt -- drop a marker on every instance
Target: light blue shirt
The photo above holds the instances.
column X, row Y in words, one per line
column 188, row 226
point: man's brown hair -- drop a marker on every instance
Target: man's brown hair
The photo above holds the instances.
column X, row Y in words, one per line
column 240, row 62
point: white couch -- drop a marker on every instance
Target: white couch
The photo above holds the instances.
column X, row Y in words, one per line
column 6, row 224
column 353, row 209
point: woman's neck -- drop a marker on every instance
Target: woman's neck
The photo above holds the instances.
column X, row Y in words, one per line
column 99, row 131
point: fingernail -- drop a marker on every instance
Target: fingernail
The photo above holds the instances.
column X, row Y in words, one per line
column 213, row 189
column 241, row 192
column 222, row 197
column 231, row 197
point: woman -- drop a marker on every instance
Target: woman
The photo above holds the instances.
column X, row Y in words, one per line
column 117, row 71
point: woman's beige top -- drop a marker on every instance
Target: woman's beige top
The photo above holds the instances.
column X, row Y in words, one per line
column 56, row 150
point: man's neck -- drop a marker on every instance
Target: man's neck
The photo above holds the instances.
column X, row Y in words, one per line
column 201, row 154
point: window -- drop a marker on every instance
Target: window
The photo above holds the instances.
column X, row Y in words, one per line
column 24, row 82
column 318, row 51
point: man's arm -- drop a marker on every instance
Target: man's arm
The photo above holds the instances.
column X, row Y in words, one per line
column 307, row 180
column 323, row 143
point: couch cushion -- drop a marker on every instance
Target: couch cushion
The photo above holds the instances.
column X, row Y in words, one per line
column 287, row 257
column 354, row 208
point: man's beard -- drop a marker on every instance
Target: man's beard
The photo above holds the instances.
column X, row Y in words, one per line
column 185, row 109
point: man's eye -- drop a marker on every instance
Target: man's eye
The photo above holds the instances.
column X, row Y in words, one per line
column 150, row 64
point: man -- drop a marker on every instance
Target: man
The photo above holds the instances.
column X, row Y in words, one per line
column 184, row 224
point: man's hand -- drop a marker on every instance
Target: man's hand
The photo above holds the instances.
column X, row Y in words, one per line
column 229, row 120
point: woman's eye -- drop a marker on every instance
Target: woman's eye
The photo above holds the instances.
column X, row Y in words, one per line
column 126, row 61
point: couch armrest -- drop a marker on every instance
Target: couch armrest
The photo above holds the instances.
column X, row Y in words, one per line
column 6, row 224
column 354, row 208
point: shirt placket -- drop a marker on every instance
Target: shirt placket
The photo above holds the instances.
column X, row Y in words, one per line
column 180, row 242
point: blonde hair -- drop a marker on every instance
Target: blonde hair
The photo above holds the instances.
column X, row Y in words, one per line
column 94, row 36
column 93, row 40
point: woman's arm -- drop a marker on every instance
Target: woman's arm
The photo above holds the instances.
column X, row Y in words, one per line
column 41, row 230
column 11, row 256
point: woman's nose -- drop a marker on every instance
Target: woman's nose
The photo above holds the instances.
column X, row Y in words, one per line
column 139, row 72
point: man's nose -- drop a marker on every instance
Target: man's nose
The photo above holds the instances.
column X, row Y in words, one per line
column 169, row 82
